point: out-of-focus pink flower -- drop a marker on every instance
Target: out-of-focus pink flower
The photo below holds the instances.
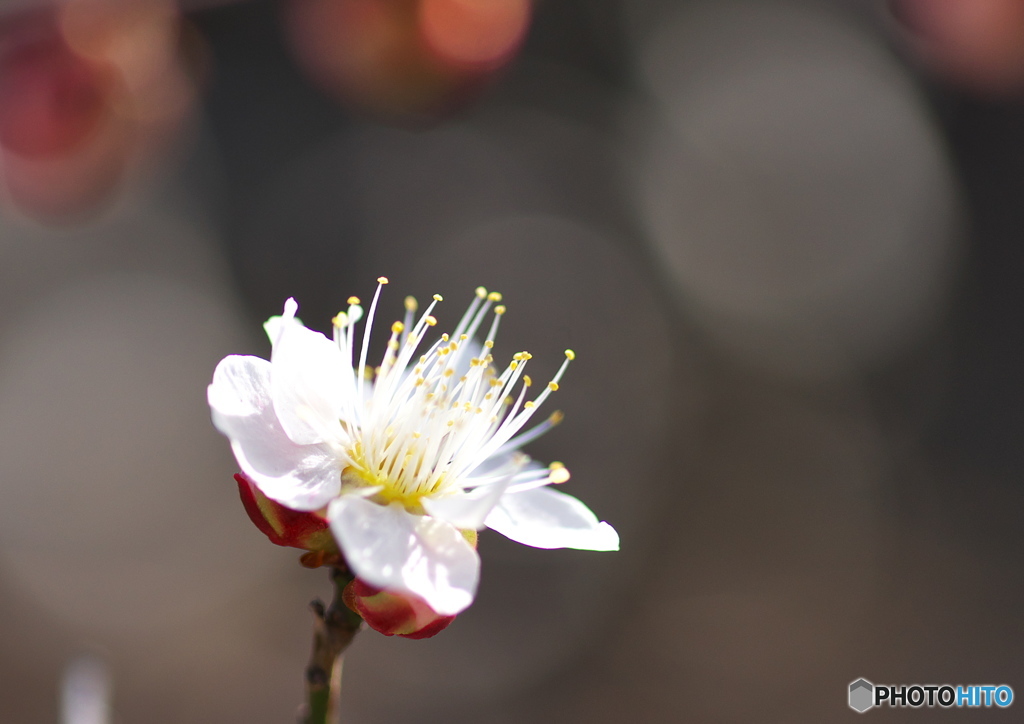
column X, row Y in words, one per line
column 393, row 613
column 51, row 99
column 475, row 34
column 89, row 91
column 976, row 43
column 405, row 58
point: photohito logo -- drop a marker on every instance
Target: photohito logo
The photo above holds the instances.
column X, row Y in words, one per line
column 865, row 695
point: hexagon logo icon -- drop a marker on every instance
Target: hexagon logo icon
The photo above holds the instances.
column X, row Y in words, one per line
column 862, row 695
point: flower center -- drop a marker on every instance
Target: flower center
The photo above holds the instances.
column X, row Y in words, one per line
column 393, row 484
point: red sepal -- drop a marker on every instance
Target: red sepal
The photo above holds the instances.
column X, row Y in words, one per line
column 284, row 526
column 394, row 614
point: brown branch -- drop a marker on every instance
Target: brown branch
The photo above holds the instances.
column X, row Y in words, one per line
column 334, row 628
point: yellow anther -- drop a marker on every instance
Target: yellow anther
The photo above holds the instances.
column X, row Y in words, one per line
column 463, row 378
column 353, row 301
column 553, row 386
column 451, row 423
column 481, row 292
column 438, row 298
column 397, row 328
column 469, row 407
column 411, row 304
column 393, row 345
column 382, row 280
column 512, row 365
column 527, row 355
column 529, row 405
column 527, row 381
column 517, row 356
column 489, row 396
column 444, row 337
column 558, row 473
column 570, row 355
column 495, row 383
column 463, row 337
column 556, row 418
column 449, row 372
column 500, row 309
column 340, row 320
column 430, row 319
column 489, row 344
column 416, row 436
column 420, row 381
column 494, row 297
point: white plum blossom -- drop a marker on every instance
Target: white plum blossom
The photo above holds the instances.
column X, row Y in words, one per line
column 406, row 456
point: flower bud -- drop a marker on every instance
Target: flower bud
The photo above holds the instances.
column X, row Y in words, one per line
column 394, row 614
column 284, row 526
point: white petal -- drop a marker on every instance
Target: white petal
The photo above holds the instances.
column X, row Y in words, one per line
column 302, row 477
column 469, row 509
column 273, row 328
column 545, row 518
column 308, row 380
column 390, row 548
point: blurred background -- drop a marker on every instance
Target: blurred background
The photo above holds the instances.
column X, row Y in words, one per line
column 784, row 237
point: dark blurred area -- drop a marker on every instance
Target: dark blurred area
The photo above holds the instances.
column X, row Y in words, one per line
column 784, row 238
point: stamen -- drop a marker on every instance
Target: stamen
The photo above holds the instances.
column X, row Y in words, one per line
column 558, row 473
column 381, row 281
column 411, row 305
column 532, row 434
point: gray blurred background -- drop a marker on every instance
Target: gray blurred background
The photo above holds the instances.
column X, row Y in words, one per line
column 785, row 239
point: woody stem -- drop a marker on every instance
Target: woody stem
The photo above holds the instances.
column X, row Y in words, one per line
column 334, row 628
